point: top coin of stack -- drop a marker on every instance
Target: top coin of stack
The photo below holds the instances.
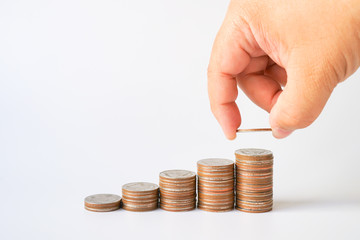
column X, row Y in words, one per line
column 102, row 202
column 254, row 178
column 140, row 196
column 177, row 190
column 216, row 184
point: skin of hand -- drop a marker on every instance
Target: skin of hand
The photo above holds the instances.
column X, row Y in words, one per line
column 287, row 57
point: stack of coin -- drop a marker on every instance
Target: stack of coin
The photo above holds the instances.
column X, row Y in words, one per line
column 102, row 202
column 140, row 196
column 177, row 190
column 216, row 184
column 254, row 175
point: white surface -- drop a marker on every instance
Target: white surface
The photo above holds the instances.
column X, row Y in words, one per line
column 95, row 94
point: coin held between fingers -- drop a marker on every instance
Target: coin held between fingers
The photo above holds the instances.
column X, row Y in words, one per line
column 254, row 130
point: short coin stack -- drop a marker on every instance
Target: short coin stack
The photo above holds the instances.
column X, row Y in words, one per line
column 216, row 184
column 254, row 175
column 140, row 196
column 102, row 202
column 177, row 190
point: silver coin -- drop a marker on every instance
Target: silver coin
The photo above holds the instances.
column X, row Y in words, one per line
column 140, row 187
column 172, row 190
column 165, row 207
column 177, row 201
column 145, row 205
column 215, row 162
column 253, row 152
column 254, row 211
column 100, row 199
column 139, row 201
column 176, row 174
column 216, row 179
column 216, row 207
column 102, row 209
column 135, row 198
column 251, row 162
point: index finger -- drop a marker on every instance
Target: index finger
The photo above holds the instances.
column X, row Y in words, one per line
column 228, row 59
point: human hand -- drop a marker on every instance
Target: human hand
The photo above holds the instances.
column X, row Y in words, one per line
column 305, row 46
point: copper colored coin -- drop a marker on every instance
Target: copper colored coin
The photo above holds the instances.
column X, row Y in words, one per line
column 253, row 153
column 216, row 180
column 141, row 208
column 216, row 209
column 102, row 202
column 254, row 180
column 140, row 187
column 178, row 208
column 177, row 174
column 140, row 196
column 177, row 190
column 263, row 210
column 215, row 162
column 254, row 130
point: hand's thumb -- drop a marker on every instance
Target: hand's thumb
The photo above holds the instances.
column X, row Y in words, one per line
column 307, row 90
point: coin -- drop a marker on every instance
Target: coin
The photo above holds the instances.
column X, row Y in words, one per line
column 254, row 130
column 140, row 196
column 177, row 190
column 254, row 180
column 177, row 174
column 102, row 202
column 253, row 154
column 140, row 187
column 215, row 162
column 215, row 184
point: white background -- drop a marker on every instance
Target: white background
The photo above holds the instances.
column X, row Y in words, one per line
column 96, row 94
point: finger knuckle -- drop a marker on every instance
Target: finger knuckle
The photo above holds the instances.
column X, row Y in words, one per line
column 292, row 119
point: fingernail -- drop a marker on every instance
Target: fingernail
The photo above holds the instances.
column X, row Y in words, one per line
column 281, row 133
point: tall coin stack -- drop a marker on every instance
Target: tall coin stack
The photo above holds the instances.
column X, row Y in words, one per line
column 140, row 196
column 216, row 184
column 254, row 180
column 177, row 190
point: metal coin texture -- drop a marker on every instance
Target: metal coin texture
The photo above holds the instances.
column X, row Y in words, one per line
column 140, row 196
column 254, row 180
column 102, row 202
column 216, row 184
column 177, row 190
